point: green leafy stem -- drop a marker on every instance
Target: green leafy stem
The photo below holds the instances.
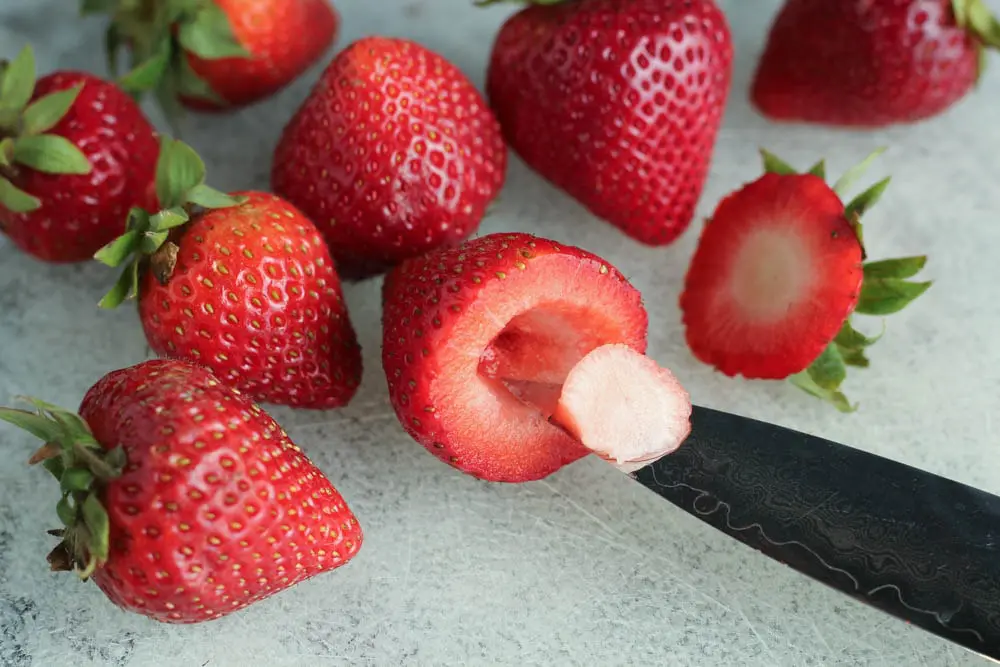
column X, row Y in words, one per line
column 82, row 467
column 24, row 142
column 180, row 186
column 159, row 36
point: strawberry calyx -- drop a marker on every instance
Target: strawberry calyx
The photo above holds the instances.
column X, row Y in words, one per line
column 885, row 288
column 159, row 35
column 977, row 19
column 83, row 467
column 24, row 139
column 180, row 187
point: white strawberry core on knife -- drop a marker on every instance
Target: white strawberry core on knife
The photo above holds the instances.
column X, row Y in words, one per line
column 624, row 407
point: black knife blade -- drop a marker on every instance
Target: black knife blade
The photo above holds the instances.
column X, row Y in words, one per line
column 921, row 547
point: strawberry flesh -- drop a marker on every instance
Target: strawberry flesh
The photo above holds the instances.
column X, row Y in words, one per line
column 776, row 273
column 623, row 406
column 480, row 338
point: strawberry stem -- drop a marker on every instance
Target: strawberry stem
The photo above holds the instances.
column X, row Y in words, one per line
column 180, row 186
column 83, row 468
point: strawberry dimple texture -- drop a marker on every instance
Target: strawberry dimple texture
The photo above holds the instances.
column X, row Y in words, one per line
column 864, row 64
column 394, row 154
column 217, row 508
column 81, row 213
column 617, row 103
column 255, row 297
column 284, row 37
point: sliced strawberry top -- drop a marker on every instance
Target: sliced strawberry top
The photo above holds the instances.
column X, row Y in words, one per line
column 776, row 274
column 476, row 337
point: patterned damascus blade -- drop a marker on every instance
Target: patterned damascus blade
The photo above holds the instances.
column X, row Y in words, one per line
column 918, row 546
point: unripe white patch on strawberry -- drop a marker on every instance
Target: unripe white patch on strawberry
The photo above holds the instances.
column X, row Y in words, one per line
column 624, row 407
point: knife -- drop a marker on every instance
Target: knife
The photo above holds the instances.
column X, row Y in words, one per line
column 923, row 548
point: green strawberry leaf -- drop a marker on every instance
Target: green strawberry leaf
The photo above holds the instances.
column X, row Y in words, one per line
column 18, row 82
column 54, row 466
column 168, row 219
column 190, row 84
column 864, row 201
column 37, row 425
column 43, row 114
column 828, row 370
column 775, row 165
column 819, row 169
column 51, row 154
column 849, row 338
column 147, row 74
column 16, row 200
column 903, row 267
column 65, row 511
column 120, row 249
column 208, row 197
column 167, row 97
column 95, row 517
column 127, row 287
column 210, row 35
column 151, row 241
column 855, row 173
column 885, row 296
column 76, row 479
column 855, row 358
column 178, row 170
column 835, row 398
column 7, row 152
column 137, row 220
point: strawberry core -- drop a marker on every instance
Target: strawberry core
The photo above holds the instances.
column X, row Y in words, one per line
column 771, row 274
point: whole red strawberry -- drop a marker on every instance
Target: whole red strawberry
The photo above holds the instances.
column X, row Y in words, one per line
column 779, row 271
column 75, row 154
column 479, row 341
column 872, row 64
column 394, row 153
column 221, row 54
column 616, row 102
column 244, row 285
column 182, row 499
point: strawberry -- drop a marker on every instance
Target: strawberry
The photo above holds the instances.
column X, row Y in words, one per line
column 616, row 102
column 394, row 153
column 75, row 154
column 872, row 64
column 219, row 54
column 779, row 271
column 244, row 285
column 479, row 340
column 181, row 498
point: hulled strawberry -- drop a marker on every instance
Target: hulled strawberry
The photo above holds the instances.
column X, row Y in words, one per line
column 241, row 283
column 616, row 102
column 872, row 64
column 511, row 356
column 75, row 154
column 777, row 274
column 219, row 54
column 181, row 498
column 394, row 153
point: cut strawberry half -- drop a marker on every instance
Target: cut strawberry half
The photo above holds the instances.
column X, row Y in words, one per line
column 624, row 407
column 778, row 273
column 479, row 339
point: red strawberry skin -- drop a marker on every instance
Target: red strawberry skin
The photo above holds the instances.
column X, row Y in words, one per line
column 776, row 273
column 216, row 508
column 466, row 328
column 284, row 38
column 255, row 297
column 394, row 154
column 864, row 64
column 81, row 213
column 618, row 103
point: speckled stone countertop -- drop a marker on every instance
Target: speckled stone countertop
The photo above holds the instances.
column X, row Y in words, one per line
column 586, row 567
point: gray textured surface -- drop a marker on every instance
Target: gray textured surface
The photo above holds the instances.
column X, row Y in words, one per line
column 585, row 567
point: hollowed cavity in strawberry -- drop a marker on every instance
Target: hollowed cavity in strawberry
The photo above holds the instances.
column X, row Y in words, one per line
column 479, row 339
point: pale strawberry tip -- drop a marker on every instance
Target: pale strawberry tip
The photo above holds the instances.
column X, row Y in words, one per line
column 623, row 407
